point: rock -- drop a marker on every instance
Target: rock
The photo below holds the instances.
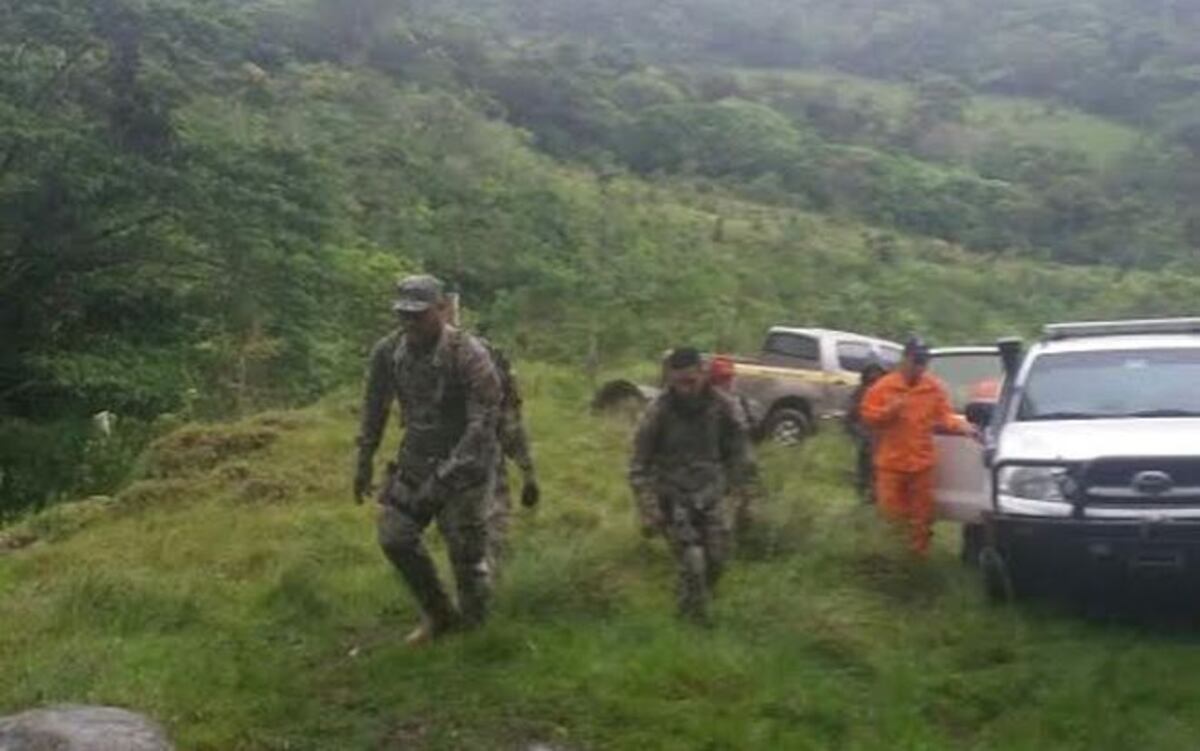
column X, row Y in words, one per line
column 79, row 728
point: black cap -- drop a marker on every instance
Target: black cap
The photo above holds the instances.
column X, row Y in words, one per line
column 684, row 357
column 917, row 350
column 873, row 367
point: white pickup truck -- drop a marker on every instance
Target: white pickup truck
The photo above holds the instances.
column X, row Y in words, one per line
column 804, row 375
column 801, row 376
column 1090, row 470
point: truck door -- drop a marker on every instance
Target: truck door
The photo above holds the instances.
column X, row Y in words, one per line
column 785, row 349
column 961, row 482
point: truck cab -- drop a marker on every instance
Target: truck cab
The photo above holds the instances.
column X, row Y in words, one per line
column 804, row 375
column 826, row 350
column 801, row 376
column 1093, row 457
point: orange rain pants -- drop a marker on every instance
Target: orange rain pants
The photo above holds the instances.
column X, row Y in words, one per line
column 906, row 499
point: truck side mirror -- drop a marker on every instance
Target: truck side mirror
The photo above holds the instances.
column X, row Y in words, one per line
column 980, row 414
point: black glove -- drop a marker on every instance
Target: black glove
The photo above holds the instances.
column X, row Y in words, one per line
column 362, row 478
column 531, row 494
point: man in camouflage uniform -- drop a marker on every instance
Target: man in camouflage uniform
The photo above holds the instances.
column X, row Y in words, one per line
column 691, row 446
column 514, row 446
column 449, row 397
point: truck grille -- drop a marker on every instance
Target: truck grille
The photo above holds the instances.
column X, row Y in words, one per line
column 1145, row 482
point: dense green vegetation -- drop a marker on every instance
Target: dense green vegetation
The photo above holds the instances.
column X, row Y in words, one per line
column 1131, row 59
column 235, row 593
column 202, row 202
column 583, row 75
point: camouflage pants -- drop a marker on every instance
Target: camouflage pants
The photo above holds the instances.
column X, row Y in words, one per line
column 743, row 498
column 698, row 530
column 461, row 518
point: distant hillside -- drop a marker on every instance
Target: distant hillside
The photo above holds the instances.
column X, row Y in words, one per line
column 987, row 118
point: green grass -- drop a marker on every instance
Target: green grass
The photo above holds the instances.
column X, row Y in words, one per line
column 1021, row 121
column 238, row 597
column 1035, row 123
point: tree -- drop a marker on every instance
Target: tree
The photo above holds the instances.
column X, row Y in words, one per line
column 940, row 100
column 727, row 138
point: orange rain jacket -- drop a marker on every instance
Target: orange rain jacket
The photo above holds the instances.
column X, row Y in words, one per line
column 904, row 441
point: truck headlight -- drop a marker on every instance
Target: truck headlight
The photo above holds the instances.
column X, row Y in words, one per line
column 1040, row 491
column 1033, row 483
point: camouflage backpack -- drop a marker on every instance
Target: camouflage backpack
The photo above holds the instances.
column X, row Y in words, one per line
column 510, row 395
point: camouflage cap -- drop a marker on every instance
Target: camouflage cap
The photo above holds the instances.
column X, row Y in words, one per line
column 416, row 294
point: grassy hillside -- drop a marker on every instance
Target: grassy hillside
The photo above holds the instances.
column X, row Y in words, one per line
column 236, row 594
column 1038, row 123
column 1021, row 121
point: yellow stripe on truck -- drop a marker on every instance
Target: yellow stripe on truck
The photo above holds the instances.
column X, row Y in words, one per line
column 813, row 376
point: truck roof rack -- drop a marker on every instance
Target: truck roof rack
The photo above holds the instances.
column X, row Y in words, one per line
column 1058, row 331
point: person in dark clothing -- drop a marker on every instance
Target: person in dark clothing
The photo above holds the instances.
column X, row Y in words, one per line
column 861, row 433
column 691, row 448
column 445, row 384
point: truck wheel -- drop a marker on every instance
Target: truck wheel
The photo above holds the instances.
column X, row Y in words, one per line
column 972, row 544
column 997, row 581
column 788, row 427
column 619, row 397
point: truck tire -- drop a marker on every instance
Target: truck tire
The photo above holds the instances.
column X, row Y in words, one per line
column 619, row 396
column 997, row 580
column 787, row 426
column 972, row 544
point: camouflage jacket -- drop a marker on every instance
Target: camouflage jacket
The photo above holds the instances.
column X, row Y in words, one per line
column 676, row 451
column 449, row 400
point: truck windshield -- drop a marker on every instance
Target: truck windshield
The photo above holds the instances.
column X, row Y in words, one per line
column 1114, row 384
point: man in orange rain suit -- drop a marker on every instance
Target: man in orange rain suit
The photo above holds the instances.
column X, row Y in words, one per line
column 905, row 408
